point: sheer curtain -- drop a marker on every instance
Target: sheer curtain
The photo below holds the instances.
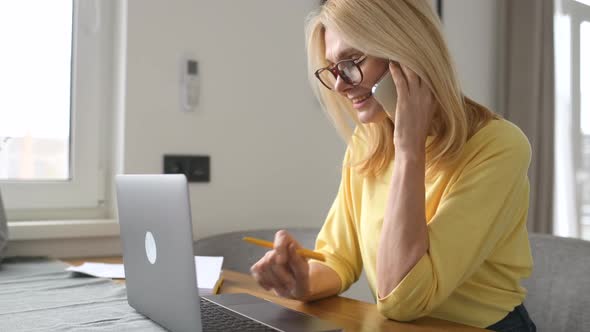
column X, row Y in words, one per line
column 572, row 120
column 565, row 206
column 526, row 94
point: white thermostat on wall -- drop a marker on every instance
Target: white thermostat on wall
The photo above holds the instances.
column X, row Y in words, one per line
column 190, row 85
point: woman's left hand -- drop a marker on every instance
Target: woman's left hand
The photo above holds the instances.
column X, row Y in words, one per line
column 414, row 111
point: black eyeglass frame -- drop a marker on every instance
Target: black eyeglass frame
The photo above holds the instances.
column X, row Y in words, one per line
column 333, row 69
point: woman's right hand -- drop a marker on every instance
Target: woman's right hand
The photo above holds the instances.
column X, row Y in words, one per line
column 282, row 269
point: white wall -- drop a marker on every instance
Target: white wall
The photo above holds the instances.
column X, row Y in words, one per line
column 471, row 29
column 275, row 157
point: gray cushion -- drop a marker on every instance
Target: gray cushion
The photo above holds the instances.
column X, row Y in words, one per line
column 240, row 256
column 559, row 288
column 3, row 230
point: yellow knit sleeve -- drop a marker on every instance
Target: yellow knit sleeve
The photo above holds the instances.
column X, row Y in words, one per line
column 483, row 205
column 338, row 239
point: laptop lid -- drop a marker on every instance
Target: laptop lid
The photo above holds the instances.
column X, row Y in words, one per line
column 156, row 233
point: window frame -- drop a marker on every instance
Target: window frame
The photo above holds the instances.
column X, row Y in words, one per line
column 91, row 100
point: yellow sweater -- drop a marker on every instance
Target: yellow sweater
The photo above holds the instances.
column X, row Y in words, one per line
column 476, row 214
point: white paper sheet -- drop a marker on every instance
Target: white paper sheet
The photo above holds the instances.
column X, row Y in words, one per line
column 208, row 270
column 100, row 270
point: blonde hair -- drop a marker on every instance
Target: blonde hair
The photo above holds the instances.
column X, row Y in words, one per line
column 409, row 32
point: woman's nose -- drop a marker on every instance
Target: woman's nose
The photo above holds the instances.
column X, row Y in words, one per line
column 341, row 86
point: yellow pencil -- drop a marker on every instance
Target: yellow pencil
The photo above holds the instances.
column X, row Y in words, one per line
column 303, row 252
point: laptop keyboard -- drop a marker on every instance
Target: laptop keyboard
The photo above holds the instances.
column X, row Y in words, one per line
column 215, row 318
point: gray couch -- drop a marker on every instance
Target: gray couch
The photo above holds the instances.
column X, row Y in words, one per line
column 559, row 288
column 240, row 256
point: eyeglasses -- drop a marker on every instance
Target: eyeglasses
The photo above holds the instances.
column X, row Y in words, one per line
column 349, row 71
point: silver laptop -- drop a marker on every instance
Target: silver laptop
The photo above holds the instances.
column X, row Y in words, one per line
column 156, row 232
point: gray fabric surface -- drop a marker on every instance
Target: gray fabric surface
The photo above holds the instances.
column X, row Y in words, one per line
column 38, row 295
column 559, row 289
column 3, row 231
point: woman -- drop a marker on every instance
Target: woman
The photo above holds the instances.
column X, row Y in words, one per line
column 433, row 199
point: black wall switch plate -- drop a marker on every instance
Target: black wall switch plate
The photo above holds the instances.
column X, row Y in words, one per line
column 196, row 168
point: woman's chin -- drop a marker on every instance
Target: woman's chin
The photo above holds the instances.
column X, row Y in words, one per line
column 370, row 116
column 364, row 118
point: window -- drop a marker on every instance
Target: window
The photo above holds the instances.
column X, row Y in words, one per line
column 55, row 65
column 572, row 125
column 584, row 169
column 36, row 70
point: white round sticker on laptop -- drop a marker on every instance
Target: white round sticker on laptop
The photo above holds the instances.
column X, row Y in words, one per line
column 150, row 248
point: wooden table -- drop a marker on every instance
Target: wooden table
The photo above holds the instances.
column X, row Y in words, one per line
column 352, row 315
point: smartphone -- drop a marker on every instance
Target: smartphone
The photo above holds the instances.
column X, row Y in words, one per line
column 386, row 94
